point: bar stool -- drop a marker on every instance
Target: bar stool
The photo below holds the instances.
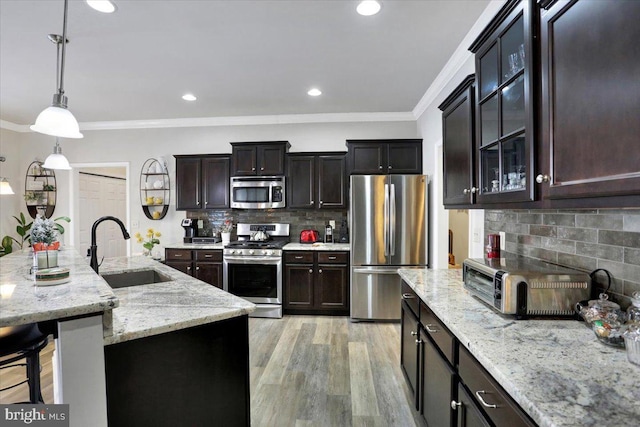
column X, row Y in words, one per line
column 23, row 342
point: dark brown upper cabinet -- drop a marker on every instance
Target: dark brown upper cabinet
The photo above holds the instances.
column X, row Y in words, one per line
column 384, row 156
column 505, row 105
column 258, row 158
column 316, row 180
column 202, row 182
column 458, row 145
column 590, row 111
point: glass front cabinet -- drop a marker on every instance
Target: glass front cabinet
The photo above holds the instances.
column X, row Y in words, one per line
column 504, row 105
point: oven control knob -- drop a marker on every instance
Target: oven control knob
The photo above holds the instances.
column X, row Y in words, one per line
column 251, row 251
column 268, row 252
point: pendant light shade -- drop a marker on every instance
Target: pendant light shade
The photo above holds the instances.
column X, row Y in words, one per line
column 5, row 188
column 57, row 120
column 56, row 160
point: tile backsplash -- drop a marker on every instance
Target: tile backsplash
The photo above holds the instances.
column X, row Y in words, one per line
column 298, row 219
column 580, row 239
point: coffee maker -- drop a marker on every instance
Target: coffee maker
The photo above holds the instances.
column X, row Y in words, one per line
column 190, row 229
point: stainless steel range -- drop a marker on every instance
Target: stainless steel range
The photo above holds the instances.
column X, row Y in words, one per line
column 252, row 266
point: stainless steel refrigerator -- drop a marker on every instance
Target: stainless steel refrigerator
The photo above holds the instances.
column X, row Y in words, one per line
column 388, row 220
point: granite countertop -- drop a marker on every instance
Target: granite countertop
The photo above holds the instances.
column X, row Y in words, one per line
column 317, row 247
column 22, row 302
column 556, row 370
column 288, row 247
column 157, row 308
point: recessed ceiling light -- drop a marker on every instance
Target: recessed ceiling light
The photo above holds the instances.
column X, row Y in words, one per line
column 314, row 92
column 104, row 6
column 189, row 97
column 368, row 7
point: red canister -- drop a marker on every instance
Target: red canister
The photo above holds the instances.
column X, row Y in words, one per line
column 493, row 247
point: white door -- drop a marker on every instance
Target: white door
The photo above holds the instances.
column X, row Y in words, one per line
column 102, row 195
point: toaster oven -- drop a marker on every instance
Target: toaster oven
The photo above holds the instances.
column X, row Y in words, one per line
column 525, row 287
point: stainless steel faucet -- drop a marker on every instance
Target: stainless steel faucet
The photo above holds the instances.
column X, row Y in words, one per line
column 94, row 248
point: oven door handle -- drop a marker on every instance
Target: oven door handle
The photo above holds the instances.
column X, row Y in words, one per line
column 252, row 260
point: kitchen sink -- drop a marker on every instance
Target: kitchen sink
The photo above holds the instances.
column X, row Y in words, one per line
column 135, row 278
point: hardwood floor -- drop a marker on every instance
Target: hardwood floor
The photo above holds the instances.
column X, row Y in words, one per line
column 307, row 371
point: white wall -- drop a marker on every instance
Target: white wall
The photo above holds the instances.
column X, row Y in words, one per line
column 136, row 146
column 460, row 65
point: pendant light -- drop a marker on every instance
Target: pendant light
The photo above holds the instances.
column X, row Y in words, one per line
column 57, row 160
column 57, row 120
column 5, row 188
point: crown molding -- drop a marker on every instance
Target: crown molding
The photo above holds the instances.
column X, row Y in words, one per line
column 234, row 121
column 457, row 60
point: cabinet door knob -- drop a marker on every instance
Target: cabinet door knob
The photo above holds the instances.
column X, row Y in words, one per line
column 311, row 202
column 320, row 201
column 253, row 169
column 197, row 268
column 414, row 333
column 310, row 270
column 465, row 191
column 454, row 404
column 542, row 178
column 320, row 271
column 473, row 190
column 389, row 167
column 261, row 169
column 380, row 167
column 188, row 268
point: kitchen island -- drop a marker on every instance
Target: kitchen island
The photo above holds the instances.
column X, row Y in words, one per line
column 146, row 328
column 556, row 370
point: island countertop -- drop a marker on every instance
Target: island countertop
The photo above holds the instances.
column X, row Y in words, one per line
column 22, row 302
column 156, row 308
column 556, row 370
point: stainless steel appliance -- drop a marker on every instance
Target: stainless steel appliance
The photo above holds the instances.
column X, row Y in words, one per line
column 388, row 216
column 252, row 269
column 525, row 287
column 257, row 192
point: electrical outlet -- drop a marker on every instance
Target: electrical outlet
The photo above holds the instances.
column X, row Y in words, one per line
column 135, row 224
column 503, row 240
column 476, row 236
column 332, row 223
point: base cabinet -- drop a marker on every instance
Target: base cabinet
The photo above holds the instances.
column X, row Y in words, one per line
column 316, row 282
column 203, row 264
column 448, row 386
column 191, row 377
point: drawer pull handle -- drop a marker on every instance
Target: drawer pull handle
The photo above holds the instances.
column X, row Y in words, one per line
column 407, row 296
column 485, row 404
column 298, row 257
column 333, row 257
column 177, row 255
column 208, row 256
column 431, row 331
column 455, row 405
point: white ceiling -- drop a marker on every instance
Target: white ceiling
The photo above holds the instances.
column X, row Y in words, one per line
column 240, row 58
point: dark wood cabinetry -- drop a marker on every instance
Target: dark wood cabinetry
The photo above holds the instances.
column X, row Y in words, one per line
column 458, row 142
column 316, row 282
column 202, row 182
column 316, row 180
column 386, row 156
column 590, row 102
column 203, row 264
column 448, row 385
column 259, row 158
column 505, row 105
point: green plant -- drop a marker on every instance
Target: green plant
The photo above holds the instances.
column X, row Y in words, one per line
column 23, row 229
column 48, row 187
column 152, row 239
column 31, row 196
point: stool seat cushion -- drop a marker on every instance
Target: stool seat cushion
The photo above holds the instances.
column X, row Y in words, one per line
column 19, row 338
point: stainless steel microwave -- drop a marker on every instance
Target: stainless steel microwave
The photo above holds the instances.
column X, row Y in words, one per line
column 257, row 192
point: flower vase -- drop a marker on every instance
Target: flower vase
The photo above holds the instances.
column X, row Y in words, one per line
column 226, row 237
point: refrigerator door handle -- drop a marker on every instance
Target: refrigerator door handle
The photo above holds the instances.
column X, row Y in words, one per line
column 392, row 221
column 386, row 220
